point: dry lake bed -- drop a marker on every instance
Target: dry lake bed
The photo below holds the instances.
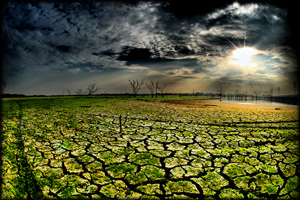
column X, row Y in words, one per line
column 170, row 148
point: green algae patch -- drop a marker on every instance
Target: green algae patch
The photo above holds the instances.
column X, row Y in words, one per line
column 134, row 179
column 120, row 170
column 233, row 170
column 214, row 180
column 109, row 190
column 173, row 162
column 109, row 157
column 242, row 182
column 100, row 178
column 150, row 189
column 153, row 173
column 94, row 166
column 180, row 186
column 228, row 193
column 144, row 159
column 160, row 153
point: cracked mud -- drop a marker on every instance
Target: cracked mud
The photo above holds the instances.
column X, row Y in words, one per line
column 164, row 151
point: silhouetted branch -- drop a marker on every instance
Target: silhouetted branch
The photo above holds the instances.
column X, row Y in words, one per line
column 136, row 86
column 92, row 89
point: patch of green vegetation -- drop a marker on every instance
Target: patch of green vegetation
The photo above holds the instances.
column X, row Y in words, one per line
column 242, row 182
column 150, row 189
column 234, row 170
column 271, row 189
column 292, row 183
column 153, row 173
column 214, row 181
column 144, row 159
column 287, row 169
column 228, row 193
column 137, row 178
column 109, row 190
column 180, row 186
column 121, row 169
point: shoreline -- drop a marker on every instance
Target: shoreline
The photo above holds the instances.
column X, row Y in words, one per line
column 253, row 106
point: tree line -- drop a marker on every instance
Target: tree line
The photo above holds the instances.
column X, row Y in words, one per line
column 153, row 87
column 136, row 85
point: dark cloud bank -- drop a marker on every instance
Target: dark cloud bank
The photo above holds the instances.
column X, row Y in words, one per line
column 48, row 46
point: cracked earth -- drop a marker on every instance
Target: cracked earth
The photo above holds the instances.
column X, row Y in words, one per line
column 165, row 150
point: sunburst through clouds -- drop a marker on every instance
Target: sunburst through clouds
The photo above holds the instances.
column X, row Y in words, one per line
column 242, row 56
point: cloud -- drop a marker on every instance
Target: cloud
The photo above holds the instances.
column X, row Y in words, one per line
column 163, row 40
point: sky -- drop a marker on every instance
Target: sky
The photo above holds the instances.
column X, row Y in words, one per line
column 51, row 47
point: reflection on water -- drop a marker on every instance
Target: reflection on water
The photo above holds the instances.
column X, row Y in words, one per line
column 254, row 102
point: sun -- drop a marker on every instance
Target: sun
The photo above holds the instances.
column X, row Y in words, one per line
column 242, row 56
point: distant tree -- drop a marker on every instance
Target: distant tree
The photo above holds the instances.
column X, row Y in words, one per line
column 193, row 92
column 220, row 91
column 271, row 92
column 79, row 91
column 66, row 91
column 162, row 90
column 237, row 94
column 245, row 94
column 136, row 86
column 151, row 87
column 255, row 93
column 92, row 89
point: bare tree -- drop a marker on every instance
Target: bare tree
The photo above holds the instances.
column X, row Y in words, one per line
column 255, row 93
column 79, row 91
column 162, row 90
column 193, row 92
column 220, row 91
column 151, row 87
column 271, row 92
column 136, row 86
column 92, row 89
column 66, row 91
column 236, row 94
column 245, row 95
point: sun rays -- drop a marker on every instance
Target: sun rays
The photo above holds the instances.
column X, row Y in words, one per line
column 242, row 56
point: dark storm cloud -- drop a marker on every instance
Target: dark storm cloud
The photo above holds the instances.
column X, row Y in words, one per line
column 187, row 77
column 217, row 40
column 187, row 10
column 145, row 39
column 83, row 66
column 63, row 48
column 184, row 51
column 133, row 55
column 108, row 52
column 144, row 57
column 60, row 32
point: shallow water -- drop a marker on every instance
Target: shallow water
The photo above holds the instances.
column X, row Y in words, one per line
column 253, row 102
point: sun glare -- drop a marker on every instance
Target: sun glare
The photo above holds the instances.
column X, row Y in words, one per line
column 242, row 56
